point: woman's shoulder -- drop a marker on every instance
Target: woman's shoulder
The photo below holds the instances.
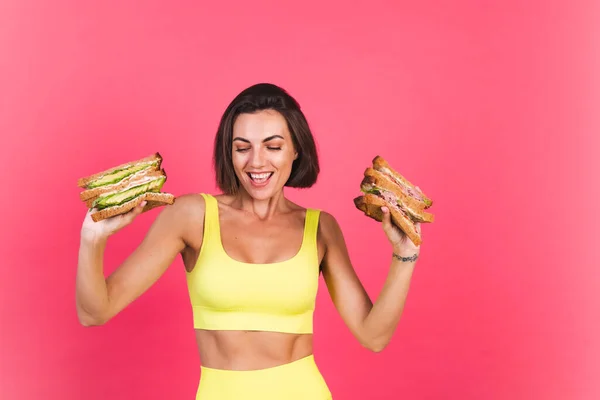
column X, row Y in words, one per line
column 187, row 199
column 329, row 227
column 327, row 221
column 188, row 204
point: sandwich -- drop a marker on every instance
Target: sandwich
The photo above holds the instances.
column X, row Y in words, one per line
column 384, row 186
column 120, row 189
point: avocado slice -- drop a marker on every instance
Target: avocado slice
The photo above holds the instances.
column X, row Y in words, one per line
column 120, row 174
column 369, row 189
column 124, row 196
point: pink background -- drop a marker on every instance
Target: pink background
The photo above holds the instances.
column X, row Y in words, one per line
column 490, row 107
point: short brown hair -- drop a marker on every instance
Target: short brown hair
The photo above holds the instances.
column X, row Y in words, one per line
column 266, row 96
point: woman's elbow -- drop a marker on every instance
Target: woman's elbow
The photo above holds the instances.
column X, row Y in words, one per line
column 88, row 320
column 376, row 347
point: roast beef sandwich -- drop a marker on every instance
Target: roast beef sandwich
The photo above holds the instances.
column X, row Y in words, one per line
column 119, row 189
column 384, row 186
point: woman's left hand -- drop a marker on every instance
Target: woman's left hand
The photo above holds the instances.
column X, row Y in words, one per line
column 401, row 243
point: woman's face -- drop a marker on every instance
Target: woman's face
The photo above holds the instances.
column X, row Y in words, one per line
column 262, row 153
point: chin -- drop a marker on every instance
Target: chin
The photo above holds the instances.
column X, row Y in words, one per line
column 261, row 194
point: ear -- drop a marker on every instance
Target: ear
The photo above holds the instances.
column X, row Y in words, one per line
column 295, row 155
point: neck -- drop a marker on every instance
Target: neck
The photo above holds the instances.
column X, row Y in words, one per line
column 262, row 208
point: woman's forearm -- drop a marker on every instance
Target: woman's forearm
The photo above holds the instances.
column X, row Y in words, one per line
column 381, row 322
column 91, row 290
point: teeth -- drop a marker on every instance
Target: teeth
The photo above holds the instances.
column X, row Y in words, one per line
column 260, row 176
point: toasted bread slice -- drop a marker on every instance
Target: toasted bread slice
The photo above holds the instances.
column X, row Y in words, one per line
column 153, row 200
column 90, row 202
column 386, row 182
column 371, row 205
column 132, row 180
column 83, row 182
column 382, row 166
column 376, row 180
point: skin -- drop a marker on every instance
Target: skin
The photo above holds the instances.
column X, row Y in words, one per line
column 258, row 225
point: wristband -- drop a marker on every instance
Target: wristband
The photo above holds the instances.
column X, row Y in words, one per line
column 412, row 258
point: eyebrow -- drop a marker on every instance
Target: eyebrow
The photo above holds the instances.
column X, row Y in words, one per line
column 265, row 140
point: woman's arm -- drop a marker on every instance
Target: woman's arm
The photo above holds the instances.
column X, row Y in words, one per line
column 372, row 324
column 99, row 299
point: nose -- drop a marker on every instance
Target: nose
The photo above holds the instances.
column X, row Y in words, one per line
column 257, row 160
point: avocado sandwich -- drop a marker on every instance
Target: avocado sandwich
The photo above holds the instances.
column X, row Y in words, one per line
column 120, row 189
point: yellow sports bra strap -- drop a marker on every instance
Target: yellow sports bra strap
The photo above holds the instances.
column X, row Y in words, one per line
column 311, row 229
column 211, row 217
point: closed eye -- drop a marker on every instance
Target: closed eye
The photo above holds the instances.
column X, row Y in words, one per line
column 242, row 150
column 274, row 148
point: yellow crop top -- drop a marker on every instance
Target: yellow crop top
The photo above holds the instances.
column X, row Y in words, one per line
column 227, row 294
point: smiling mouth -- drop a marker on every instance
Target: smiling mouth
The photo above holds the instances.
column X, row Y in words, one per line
column 260, row 178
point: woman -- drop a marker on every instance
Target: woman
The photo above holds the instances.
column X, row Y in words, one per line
column 252, row 260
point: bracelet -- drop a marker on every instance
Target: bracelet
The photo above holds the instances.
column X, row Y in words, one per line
column 412, row 258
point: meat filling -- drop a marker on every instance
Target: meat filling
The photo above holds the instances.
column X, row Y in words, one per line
column 408, row 190
column 388, row 196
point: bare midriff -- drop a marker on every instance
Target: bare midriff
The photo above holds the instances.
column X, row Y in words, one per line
column 250, row 350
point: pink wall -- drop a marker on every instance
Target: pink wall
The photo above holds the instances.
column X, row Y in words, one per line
column 490, row 107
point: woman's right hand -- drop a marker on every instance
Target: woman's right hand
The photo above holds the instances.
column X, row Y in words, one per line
column 91, row 230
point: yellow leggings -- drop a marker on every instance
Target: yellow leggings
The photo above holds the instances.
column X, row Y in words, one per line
column 298, row 380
